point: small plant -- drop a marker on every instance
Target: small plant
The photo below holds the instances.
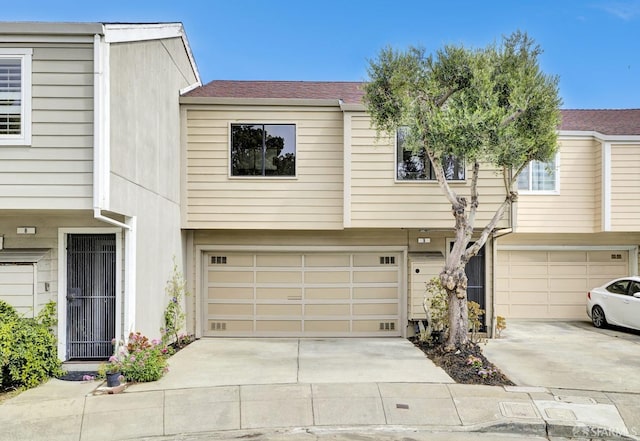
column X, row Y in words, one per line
column 474, row 361
column 477, row 364
column 474, row 313
column 174, row 316
column 501, row 325
column 140, row 360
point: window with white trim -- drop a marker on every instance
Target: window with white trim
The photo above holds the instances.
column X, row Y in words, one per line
column 263, row 150
column 415, row 165
column 15, row 96
column 539, row 177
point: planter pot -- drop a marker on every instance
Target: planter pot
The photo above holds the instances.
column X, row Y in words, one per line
column 113, row 379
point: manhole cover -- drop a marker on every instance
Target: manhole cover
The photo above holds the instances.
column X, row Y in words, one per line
column 518, row 410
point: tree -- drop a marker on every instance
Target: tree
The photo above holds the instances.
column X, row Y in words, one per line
column 494, row 107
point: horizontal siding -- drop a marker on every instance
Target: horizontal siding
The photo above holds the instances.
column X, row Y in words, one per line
column 625, row 187
column 377, row 200
column 311, row 200
column 574, row 209
column 56, row 170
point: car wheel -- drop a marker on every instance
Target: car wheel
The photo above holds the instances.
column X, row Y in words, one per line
column 598, row 318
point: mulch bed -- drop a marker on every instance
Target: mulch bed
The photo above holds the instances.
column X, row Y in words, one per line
column 456, row 364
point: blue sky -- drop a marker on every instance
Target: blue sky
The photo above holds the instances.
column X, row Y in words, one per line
column 594, row 46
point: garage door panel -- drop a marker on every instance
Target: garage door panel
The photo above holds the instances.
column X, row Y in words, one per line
column 569, row 298
column 319, row 310
column 278, row 260
column 375, row 309
column 282, row 310
column 298, row 294
column 230, row 293
column 327, row 293
column 559, row 292
column 528, row 284
column 245, row 309
column 227, row 276
column 327, row 277
column 375, row 276
column 326, row 260
column 564, row 285
column 529, row 270
column 327, row 326
column 285, row 326
column 278, row 293
column 388, row 292
column 568, row 270
column 279, row 277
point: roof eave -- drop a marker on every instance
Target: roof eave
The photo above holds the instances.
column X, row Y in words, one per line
column 259, row 101
column 598, row 135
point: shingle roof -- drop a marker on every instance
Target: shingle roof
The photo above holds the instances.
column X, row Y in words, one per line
column 605, row 121
column 349, row 92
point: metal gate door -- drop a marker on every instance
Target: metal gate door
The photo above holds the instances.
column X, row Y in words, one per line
column 91, row 295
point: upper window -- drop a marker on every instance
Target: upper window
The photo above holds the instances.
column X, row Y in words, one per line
column 539, row 177
column 263, row 150
column 15, row 96
column 415, row 166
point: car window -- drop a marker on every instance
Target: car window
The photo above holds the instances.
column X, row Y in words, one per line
column 619, row 287
column 635, row 287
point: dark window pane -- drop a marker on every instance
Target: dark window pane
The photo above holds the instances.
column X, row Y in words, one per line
column 416, row 165
column 280, row 154
column 246, row 150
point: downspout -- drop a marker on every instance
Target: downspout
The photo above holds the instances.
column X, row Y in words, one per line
column 101, row 170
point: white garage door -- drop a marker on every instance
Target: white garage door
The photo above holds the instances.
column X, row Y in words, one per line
column 553, row 284
column 302, row 294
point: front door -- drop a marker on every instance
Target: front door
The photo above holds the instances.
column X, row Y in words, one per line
column 91, row 295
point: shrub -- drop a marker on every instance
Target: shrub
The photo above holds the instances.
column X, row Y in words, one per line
column 140, row 360
column 174, row 314
column 28, row 347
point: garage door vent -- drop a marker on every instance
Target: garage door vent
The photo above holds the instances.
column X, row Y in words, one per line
column 616, row 257
column 387, row 260
column 387, row 326
column 218, row 326
column 218, row 260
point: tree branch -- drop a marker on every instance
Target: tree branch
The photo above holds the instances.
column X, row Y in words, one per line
column 509, row 119
column 443, row 99
column 441, row 178
column 474, row 194
column 479, row 243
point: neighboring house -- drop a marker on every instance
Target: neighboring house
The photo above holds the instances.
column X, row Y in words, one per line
column 578, row 226
column 90, row 174
column 302, row 222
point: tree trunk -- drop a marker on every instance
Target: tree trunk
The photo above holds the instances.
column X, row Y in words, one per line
column 455, row 283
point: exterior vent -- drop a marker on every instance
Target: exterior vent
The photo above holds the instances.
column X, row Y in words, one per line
column 218, row 326
column 218, row 260
column 387, row 326
column 616, row 257
column 387, row 260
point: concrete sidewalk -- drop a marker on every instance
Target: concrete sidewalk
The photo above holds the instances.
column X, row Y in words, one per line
column 228, row 388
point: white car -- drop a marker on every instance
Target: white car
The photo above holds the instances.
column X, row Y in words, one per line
column 615, row 303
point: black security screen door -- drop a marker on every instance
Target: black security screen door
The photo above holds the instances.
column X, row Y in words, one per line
column 91, row 295
column 475, row 271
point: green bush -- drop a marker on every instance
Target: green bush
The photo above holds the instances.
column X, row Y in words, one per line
column 28, row 349
column 140, row 360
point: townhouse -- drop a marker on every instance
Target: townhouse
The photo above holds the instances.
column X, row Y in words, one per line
column 90, row 174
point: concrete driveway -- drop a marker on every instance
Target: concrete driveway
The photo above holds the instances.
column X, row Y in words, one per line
column 243, row 361
column 568, row 355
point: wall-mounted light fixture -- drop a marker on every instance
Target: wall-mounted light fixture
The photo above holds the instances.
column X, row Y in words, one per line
column 424, row 240
column 26, row 230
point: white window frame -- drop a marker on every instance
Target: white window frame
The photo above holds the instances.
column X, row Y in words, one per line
column 25, row 55
column 556, row 189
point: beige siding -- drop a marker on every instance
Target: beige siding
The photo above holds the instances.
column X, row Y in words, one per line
column 55, row 171
column 625, row 187
column 575, row 209
column 377, row 200
column 311, row 200
column 16, row 287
